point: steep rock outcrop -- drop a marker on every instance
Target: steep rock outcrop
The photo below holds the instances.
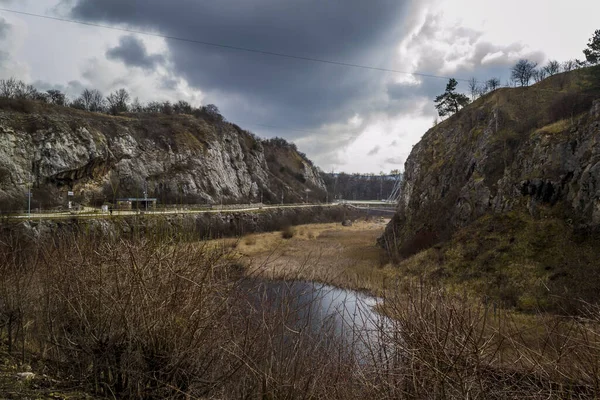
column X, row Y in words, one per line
column 535, row 149
column 179, row 158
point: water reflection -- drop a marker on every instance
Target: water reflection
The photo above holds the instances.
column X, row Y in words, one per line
column 328, row 315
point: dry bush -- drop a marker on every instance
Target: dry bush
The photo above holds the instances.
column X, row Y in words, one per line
column 18, row 105
column 135, row 318
column 451, row 348
column 163, row 318
column 288, row 232
column 422, row 240
column 250, row 240
column 158, row 318
column 569, row 105
column 287, row 358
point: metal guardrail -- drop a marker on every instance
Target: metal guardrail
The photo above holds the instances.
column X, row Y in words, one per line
column 183, row 208
column 97, row 212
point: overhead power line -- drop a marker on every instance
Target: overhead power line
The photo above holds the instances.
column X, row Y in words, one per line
column 230, row 47
column 278, row 127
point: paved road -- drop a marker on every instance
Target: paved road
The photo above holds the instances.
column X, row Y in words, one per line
column 226, row 209
column 97, row 213
column 390, row 210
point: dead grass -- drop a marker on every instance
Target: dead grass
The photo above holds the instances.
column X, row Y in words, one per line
column 516, row 262
column 330, row 253
column 165, row 319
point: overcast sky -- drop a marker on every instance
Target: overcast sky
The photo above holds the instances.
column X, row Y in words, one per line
column 344, row 118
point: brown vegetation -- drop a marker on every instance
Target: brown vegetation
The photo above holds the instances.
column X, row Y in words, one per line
column 288, row 232
column 156, row 317
column 345, row 257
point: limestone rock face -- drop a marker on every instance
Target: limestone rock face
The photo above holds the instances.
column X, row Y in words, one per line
column 512, row 150
column 178, row 159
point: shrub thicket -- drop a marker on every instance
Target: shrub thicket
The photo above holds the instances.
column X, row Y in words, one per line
column 154, row 317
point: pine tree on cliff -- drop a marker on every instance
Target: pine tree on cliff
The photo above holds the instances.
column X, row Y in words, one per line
column 592, row 56
column 450, row 102
column 592, row 53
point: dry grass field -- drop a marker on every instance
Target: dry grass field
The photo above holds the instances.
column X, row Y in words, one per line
column 341, row 256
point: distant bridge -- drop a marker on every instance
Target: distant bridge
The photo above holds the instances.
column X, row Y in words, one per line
column 376, row 207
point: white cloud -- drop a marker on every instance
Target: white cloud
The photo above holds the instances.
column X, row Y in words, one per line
column 459, row 38
column 12, row 41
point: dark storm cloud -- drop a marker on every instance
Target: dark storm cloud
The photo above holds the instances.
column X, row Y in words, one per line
column 132, row 52
column 262, row 88
column 374, row 151
column 169, row 83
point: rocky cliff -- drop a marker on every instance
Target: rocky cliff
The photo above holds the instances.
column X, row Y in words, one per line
column 534, row 148
column 504, row 196
column 175, row 158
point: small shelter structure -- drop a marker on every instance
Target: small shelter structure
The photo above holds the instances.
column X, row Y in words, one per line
column 132, row 203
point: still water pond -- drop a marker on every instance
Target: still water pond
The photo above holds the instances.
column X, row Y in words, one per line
column 331, row 315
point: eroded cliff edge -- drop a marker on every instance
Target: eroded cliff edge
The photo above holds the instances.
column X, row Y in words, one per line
column 176, row 158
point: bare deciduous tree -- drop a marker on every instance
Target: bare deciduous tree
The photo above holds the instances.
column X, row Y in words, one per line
column 25, row 91
column 213, row 111
column 77, row 104
column 474, row 88
column 523, row 71
column 182, row 107
column 166, row 108
column 118, row 101
column 539, row 75
column 153, row 107
column 136, row 106
column 8, row 87
column 569, row 65
column 92, row 100
column 14, row 89
column 56, row 97
column 552, row 68
column 492, row 84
